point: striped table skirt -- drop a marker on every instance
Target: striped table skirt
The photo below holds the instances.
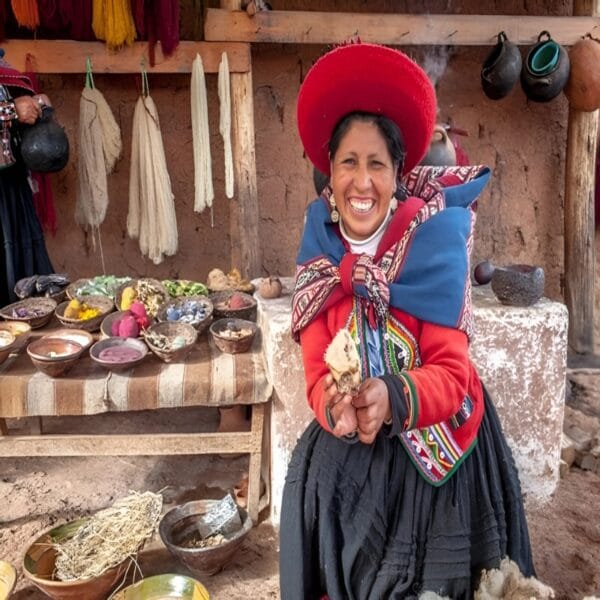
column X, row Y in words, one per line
column 208, row 377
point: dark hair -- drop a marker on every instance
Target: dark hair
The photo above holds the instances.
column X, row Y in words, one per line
column 388, row 129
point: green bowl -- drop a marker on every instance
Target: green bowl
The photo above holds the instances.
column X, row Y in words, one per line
column 160, row 587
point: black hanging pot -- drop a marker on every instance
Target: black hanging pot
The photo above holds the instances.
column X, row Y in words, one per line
column 546, row 70
column 500, row 70
column 44, row 145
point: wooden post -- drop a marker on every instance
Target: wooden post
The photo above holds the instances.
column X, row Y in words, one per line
column 580, row 260
column 244, row 210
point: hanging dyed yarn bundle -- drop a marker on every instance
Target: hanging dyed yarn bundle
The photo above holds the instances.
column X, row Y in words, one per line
column 203, row 185
column 151, row 218
column 112, row 22
column 99, row 149
column 26, row 13
column 225, row 122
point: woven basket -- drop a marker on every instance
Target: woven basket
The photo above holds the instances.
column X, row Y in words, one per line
column 134, row 283
column 248, row 312
column 229, row 345
column 200, row 327
column 45, row 306
column 173, row 329
column 104, row 303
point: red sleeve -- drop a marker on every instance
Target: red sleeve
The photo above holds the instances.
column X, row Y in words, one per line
column 437, row 388
column 314, row 339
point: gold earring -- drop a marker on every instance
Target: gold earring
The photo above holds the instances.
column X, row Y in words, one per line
column 394, row 203
column 335, row 215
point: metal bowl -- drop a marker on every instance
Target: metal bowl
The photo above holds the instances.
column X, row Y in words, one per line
column 40, row 559
column 159, row 587
column 175, row 528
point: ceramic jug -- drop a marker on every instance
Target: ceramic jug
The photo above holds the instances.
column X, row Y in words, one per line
column 44, row 145
column 546, row 70
column 501, row 68
column 441, row 151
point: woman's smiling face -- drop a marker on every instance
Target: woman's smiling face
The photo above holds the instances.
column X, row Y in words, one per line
column 363, row 178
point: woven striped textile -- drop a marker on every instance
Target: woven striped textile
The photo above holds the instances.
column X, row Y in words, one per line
column 207, row 378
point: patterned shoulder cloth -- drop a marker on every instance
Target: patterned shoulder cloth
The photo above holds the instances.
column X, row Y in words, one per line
column 423, row 263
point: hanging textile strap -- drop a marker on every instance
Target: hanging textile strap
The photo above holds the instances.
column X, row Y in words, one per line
column 145, row 86
column 89, row 77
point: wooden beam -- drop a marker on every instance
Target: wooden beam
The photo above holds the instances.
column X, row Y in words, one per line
column 304, row 27
column 580, row 256
column 66, row 56
column 130, row 445
column 243, row 227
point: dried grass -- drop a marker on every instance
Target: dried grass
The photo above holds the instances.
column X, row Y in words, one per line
column 109, row 537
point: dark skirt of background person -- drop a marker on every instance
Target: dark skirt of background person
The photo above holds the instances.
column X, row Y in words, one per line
column 358, row 522
column 22, row 246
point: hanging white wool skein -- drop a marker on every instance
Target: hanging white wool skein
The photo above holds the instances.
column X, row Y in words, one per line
column 151, row 218
column 203, row 184
column 100, row 147
column 225, row 122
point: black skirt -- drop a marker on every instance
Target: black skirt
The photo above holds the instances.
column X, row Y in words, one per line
column 22, row 246
column 358, row 522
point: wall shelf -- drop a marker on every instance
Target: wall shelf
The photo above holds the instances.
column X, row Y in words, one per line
column 304, row 27
column 67, row 56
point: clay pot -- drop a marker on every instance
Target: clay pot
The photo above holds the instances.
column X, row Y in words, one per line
column 441, row 151
column 44, row 145
column 583, row 86
column 518, row 285
column 501, row 68
column 270, row 287
column 546, row 70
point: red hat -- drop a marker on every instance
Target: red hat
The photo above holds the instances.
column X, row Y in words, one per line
column 367, row 78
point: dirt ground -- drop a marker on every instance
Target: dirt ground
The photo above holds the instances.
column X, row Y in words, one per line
column 36, row 493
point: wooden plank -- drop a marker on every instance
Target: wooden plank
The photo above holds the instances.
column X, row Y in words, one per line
column 254, row 469
column 304, row 27
column 580, row 256
column 129, row 445
column 244, row 217
column 66, row 56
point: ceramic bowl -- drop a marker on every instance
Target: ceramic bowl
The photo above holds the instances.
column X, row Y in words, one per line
column 222, row 308
column 107, row 323
column 7, row 344
column 102, row 303
column 20, row 329
column 79, row 336
column 160, row 587
column 36, row 312
column 179, row 523
column 188, row 310
column 40, row 559
column 518, row 285
column 233, row 336
column 54, row 356
column 118, row 354
column 8, row 578
column 172, row 330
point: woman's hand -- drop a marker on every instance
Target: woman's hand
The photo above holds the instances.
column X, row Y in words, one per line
column 372, row 405
column 340, row 408
column 29, row 108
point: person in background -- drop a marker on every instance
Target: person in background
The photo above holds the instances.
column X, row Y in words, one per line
column 405, row 484
column 22, row 245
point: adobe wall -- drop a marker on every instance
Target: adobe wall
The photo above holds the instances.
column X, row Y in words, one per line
column 519, row 215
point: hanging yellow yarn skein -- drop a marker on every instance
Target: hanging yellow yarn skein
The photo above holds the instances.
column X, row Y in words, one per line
column 112, row 22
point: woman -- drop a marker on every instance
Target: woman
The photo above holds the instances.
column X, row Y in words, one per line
column 407, row 485
column 22, row 246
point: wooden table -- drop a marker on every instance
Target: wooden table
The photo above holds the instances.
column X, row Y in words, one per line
column 207, row 378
